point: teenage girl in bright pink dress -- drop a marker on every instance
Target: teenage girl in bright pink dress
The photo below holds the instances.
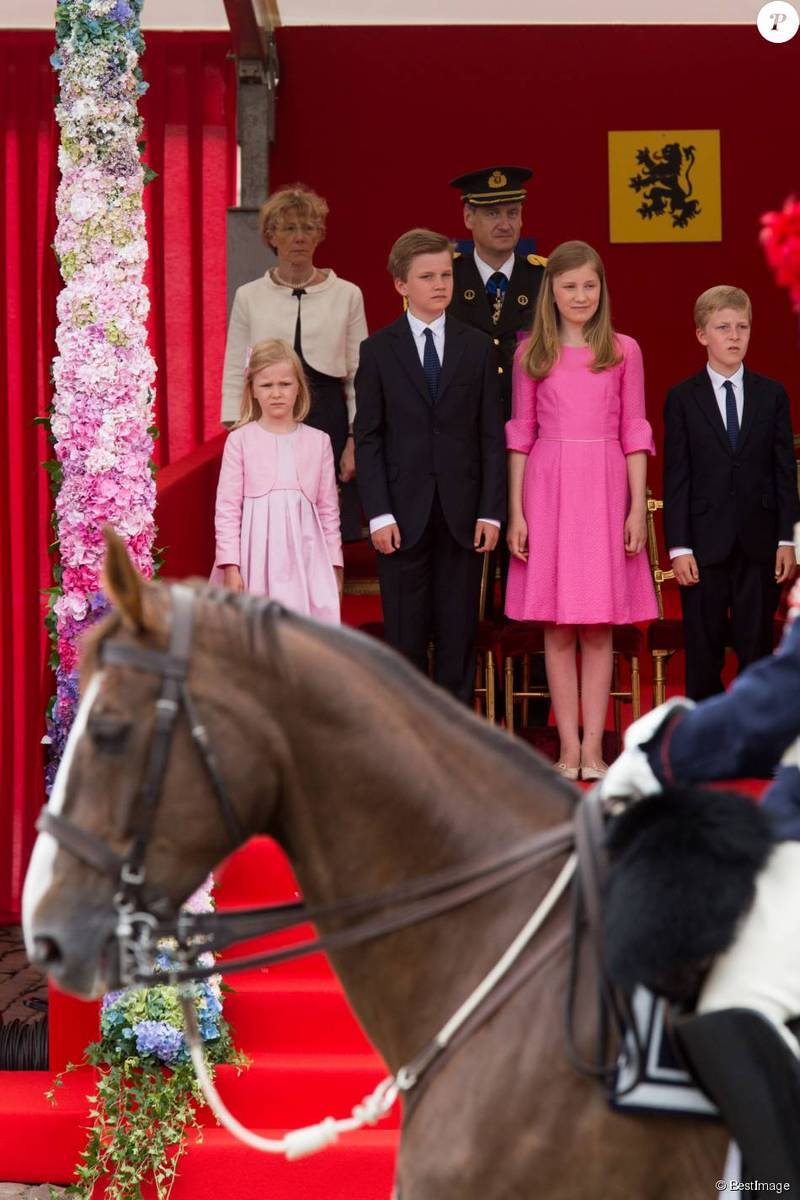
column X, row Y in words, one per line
column 577, row 441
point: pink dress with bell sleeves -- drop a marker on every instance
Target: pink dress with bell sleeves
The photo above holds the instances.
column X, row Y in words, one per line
column 277, row 517
column 576, row 427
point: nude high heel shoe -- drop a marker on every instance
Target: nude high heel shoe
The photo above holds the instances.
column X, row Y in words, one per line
column 593, row 770
column 567, row 772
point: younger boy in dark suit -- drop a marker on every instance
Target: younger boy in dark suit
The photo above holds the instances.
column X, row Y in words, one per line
column 430, row 458
column 730, row 495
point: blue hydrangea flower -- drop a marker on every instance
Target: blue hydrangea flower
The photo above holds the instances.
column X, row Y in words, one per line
column 159, row 1040
column 120, row 12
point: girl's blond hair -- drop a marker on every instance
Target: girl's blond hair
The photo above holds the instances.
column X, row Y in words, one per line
column 543, row 347
column 267, row 354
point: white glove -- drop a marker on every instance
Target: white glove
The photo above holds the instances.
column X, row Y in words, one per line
column 631, row 777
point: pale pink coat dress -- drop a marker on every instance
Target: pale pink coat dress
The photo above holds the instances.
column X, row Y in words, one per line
column 277, row 517
column 576, row 427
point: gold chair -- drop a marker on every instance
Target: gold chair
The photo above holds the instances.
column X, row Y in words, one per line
column 664, row 636
column 485, row 671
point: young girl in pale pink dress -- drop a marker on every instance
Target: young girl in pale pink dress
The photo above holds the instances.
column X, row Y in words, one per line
column 277, row 513
column 578, row 441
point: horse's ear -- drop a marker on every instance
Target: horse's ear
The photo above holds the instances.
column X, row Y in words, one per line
column 121, row 582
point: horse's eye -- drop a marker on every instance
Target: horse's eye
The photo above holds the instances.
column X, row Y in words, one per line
column 109, row 733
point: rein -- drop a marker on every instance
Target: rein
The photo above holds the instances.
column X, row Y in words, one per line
column 414, row 901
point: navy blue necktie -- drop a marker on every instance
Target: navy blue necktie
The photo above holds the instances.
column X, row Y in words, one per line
column 431, row 365
column 731, row 415
column 496, row 288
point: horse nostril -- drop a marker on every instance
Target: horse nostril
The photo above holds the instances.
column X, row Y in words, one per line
column 46, row 952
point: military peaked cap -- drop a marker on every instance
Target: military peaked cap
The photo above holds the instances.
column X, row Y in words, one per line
column 493, row 185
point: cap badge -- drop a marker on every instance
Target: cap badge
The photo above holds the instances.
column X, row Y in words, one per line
column 497, row 180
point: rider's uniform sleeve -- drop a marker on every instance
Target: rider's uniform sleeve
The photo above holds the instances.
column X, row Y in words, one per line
column 742, row 732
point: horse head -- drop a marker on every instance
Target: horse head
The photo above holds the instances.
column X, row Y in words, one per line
column 134, row 818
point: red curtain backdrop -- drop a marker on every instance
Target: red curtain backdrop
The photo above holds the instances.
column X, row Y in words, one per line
column 28, row 287
column 189, row 114
column 378, row 120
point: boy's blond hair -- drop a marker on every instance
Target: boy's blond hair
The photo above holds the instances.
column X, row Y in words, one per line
column 267, row 354
column 543, row 347
column 409, row 245
column 722, row 295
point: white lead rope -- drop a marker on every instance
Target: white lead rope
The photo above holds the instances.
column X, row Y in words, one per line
column 311, row 1138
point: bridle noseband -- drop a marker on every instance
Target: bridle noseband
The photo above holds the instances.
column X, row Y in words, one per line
column 138, row 904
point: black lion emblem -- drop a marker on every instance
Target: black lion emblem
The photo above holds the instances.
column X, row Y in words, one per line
column 665, row 183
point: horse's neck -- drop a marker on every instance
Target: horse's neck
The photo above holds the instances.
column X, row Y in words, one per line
column 389, row 783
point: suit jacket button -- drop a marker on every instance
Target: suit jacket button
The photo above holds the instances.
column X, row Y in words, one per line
column 497, row 341
column 499, row 370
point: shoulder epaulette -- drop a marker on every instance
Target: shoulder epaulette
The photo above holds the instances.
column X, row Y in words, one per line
column 537, row 260
column 456, row 254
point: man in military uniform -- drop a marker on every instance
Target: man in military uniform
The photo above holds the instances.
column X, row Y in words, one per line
column 495, row 287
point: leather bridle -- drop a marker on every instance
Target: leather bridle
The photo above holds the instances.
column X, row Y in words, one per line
column 146, row 916
column 139, row 905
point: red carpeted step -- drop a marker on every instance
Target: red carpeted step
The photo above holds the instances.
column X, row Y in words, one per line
column 360, row 1167
column 39, row 1140
column 271, row 1013
column 259, row 873
column 287, row 1090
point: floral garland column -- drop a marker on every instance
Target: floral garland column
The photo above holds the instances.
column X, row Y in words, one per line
column 103, row 405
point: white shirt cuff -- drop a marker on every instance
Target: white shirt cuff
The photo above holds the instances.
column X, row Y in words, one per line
column 380, row 522
column 490, row 521
column 786, row 544
column 676, row 550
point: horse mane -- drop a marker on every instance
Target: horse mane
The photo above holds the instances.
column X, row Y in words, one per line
column 263, row 619
column 255, row 623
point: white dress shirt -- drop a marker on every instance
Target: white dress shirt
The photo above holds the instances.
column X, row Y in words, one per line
column 418, row 328
column 485, row 271
column 718, row 383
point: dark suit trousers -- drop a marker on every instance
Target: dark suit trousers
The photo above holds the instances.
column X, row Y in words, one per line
column 732, row 605
column 431, row 592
